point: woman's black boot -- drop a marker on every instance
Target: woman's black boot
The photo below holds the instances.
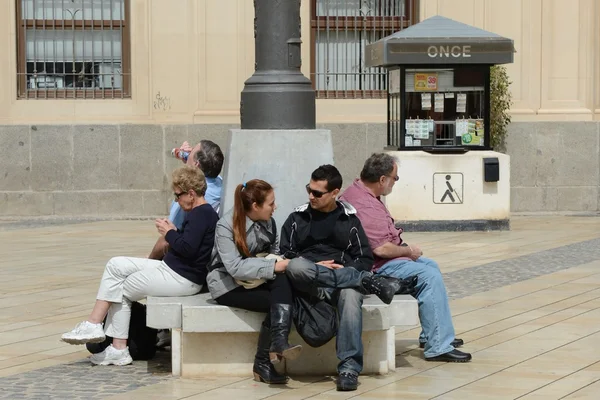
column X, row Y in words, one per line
column 281, row 323
column 263, row 369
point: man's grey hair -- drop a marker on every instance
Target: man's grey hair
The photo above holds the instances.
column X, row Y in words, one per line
column 210, row 158
column 376, row 166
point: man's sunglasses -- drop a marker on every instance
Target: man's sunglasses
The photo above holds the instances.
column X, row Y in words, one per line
column 315, row 193
column 178, row 195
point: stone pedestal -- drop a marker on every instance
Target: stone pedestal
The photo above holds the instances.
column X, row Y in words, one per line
column 284, row 158
column 232, row 354
column 447, row 192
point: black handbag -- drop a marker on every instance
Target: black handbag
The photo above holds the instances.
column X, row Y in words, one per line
column 316, row 320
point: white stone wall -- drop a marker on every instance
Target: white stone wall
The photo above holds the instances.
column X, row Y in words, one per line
column 449, row 187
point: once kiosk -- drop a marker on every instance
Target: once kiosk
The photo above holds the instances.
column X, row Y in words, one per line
column 439, row 124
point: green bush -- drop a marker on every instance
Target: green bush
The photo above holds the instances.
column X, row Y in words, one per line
column 501, row 101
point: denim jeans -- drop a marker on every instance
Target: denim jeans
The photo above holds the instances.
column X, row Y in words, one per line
column 434, row 311
column 339, row 287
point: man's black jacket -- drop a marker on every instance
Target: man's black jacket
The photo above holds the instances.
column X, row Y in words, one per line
column 348, row 245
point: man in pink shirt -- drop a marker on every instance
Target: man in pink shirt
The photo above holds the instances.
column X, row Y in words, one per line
column 399, row 260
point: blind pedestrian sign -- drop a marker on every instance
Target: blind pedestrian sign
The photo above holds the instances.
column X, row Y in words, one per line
column 448, row 188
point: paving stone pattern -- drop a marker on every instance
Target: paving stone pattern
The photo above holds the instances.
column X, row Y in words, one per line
column 80, row 380
column 468, row 281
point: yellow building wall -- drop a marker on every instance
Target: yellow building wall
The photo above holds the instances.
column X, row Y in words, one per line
column 197, row 54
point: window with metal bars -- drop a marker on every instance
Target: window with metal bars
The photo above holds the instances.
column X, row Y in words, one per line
column 340, row 29
column 73, row 49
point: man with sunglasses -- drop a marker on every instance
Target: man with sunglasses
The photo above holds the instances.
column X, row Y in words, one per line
column 399, row 260
column 331, row 258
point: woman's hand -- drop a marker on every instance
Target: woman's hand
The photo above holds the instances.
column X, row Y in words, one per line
column 280, row 266
column 163, row 226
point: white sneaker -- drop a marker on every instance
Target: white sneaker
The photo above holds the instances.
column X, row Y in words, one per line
column 110, row 355
column 85, row 332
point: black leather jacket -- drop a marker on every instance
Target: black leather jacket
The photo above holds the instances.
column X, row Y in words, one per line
column 348, row 245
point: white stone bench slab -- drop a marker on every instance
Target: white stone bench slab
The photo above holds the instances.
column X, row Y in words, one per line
column 211, row 340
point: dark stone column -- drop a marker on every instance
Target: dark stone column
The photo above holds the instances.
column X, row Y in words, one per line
column 277, row 95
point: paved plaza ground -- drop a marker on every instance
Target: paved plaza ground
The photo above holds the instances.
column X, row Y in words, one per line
column 526, row 302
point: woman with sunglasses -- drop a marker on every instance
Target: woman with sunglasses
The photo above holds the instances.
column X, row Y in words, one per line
column 182, row 272
column 247, row 273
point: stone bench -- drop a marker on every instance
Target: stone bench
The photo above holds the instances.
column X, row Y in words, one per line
column 213, row 340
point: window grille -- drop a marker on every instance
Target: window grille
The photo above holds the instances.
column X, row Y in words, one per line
column 73, row 49
column 340, row 30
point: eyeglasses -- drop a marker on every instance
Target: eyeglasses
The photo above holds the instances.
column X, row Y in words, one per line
column 315, row 193
column 178, row 195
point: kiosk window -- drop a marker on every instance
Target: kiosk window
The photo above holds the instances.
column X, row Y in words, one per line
column 445, row 107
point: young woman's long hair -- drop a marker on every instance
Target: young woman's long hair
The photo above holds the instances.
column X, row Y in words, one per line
column 246, row 194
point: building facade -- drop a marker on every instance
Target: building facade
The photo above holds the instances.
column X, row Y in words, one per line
column 95, row 93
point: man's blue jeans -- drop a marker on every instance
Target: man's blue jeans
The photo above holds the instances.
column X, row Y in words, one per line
column 339, row 288
column 434, row 311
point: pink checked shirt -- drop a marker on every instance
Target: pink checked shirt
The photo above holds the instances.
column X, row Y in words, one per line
column 374, row 217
